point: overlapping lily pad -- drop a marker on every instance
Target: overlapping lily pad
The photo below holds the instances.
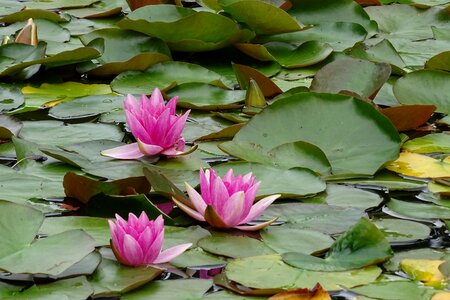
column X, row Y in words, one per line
column 174, row 25
column 293, row 119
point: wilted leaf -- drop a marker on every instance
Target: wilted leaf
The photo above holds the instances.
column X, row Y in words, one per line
column 407, row 117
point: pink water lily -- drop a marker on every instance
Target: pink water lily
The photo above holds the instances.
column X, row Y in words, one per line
column 138, row 241
column 156, row 127
column 227, row 202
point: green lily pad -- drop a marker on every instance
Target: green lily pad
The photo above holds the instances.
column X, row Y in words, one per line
column 288, row 120
column 95, row 227
column 72, row 288
column 100, row 9
column 86, row 106
column 396, row 230
column 440, row 61
column 163, row 75
column 382, row 52
column 290, row 238
column 358, row 76
column 339, row 35
column 306, row 54
column 182, row 235
column 58, row 134
column 407, row 22
column 277, row 181
column 314, row 12
column 123, row 46
column 387, row 180
column 258, row 271
column 19, row 226
column 362, row 245
column 51, row 255
column 10, row 97
column 112, row 278
column 53, row 4
column 14, row 54
column 261, row 17
column 419, row 210
column 170, row 289
column 289, row 155
column 196, row 257
column 395, row 290
column 347, row 196
column 429, row 87
column 184, row 29
column 24, row 15
column 37, row 187
column 323, row 218
column 234, row 246
column 206, row 97
column 10, row 7
column 434, row 142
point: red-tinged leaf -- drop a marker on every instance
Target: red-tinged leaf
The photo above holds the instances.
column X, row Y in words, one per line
column 84, row 188
column 28, row 35
column 245, row 73
column 406, row 117
column 317, row 293
column 368, row 2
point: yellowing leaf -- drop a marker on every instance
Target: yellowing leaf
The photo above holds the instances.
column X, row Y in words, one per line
column 69, row 89
column 438, row 188
column 422, row 166
column 441, row 296
column 425, row 270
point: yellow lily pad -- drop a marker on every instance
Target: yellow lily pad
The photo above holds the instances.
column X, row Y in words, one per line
column 441, row 189
column 425, row 270
column 422, row 166
column 69, row 89
column 441, row 296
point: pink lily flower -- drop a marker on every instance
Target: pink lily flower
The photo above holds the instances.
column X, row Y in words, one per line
column 138, row 241
column 155, row 126
column 227, row 202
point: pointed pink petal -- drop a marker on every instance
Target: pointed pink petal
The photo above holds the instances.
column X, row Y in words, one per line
column 174, row 132
column 172, row 104
column 172, row 151
column 255, row 227
column 132, row 252
column 143, row 218
column 229, row 176
column 232, row 209
column 196, row 199
column 171, row 253
column 194, row 214
column 204, row 186
column 250, row 196
column 219, row 196
column 149, row 150
column 160, row 129
column 131, row 103
column 259, row 207
column 129, row 151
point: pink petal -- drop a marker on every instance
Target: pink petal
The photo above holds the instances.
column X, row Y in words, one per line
column 131, row 103
column 219, row 195
column 143, row 218
column 229, row 176
column 172, row 151
column 171, row 253
column 196, row 199
column 250, row 196
column 232, row 209
column 194, row 214
column 259, row 207
column 172, row 104
column 135, row 122
column 132, row 253
column 204, row 186
column 149, row 150
column 174, row 132
column 129, row 151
